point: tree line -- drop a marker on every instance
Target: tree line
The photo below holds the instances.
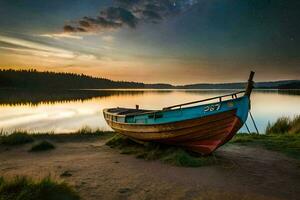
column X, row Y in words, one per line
column 32, row 79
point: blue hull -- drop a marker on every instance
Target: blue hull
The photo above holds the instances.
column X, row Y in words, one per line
column 241, row 105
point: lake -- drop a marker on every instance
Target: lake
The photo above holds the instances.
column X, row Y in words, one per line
column 69, row 111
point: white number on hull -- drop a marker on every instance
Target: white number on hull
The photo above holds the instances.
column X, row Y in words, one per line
column 213, row 107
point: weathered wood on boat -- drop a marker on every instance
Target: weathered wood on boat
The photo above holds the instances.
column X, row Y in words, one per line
column 203, row 135
column 200, row 128
column 250, row 84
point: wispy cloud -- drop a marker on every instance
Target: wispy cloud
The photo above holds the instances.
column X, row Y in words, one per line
column 35, row 52
column 37, row 49
column 61, row 35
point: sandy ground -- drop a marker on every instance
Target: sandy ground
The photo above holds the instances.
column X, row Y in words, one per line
column 99, row 172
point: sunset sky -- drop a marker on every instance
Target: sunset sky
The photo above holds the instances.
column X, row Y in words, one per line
column 170, row 41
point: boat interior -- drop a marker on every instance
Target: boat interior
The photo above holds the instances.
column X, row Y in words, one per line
column 127, row 111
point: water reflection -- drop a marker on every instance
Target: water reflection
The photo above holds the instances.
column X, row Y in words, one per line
column 70, row 110
column 35, row 97
column 289, row 92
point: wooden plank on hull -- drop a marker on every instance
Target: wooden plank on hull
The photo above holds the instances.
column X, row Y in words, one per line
column 143, row 128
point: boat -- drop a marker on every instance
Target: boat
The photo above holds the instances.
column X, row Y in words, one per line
column 200, row 126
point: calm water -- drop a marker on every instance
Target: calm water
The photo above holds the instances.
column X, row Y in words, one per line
column 69, row 111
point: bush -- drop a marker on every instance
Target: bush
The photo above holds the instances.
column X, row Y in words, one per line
column 42, row 146
column 27, row 189
column 284, row 125
column 16, row 138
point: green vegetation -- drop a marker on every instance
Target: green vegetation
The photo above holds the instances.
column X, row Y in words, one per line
column 282, row 136
column 24, row 188
column 156, row 151
column 288, row 144
column 86, row 130
column 42, row 146
column 284, row 125
column 15, row 138
column 85, row 133
column 21, row 137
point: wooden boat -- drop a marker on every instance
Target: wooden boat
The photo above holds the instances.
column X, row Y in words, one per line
column 200, row 128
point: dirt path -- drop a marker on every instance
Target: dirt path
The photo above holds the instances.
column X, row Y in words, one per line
column 99, row 172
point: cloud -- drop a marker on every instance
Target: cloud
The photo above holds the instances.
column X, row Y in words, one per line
column 61, row 35
column 129, row 13
column 68, row 28
column 108, row 38
column 35, row 52
column 151, row 15
column 23, row 46
column 120, row 15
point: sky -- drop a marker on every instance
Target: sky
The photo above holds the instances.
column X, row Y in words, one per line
column 154, row 41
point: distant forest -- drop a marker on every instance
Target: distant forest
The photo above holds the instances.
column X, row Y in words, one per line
column 32, row 79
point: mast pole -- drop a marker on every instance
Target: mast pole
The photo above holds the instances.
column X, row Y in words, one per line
column 250, row 84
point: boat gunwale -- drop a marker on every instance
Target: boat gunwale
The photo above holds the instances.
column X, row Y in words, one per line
column 208, row 99
column 180, row 108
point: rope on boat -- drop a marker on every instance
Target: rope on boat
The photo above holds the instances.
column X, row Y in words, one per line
column 254, row 122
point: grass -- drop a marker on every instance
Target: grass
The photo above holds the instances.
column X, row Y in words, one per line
column 42, row 146
column 165, row 153
column 24, row 188
column 284, row 125
column 83, row 134
column 288, row 144
column 85, row 130
column 283, row 136
column 15, row 138
column 22, row 137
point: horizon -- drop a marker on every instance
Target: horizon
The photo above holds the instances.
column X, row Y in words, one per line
column 176, row 42
column 175, row 85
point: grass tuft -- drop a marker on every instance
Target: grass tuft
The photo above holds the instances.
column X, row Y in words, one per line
column 16, row 138
column 26, row 189
column 42, row 146
column 281, row 126
column 156, row 151
column 284, row 125
column 85, row 130
column 295, row 125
